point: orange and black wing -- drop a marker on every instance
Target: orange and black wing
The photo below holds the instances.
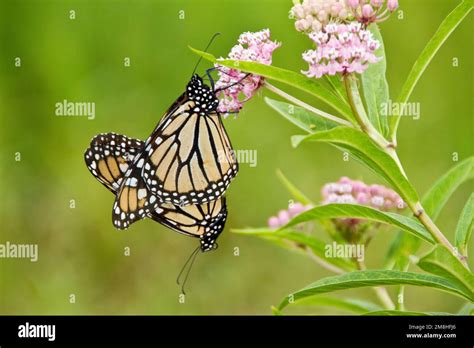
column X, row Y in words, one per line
column 189, row 156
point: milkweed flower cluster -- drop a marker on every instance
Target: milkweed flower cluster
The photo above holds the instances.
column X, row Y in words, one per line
column 235, row 86
column 348, row 191
column 313, row 15
column 371, row 11
column 341, row 48
column 284, row 216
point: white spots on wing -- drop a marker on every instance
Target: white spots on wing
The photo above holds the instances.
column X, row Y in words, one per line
column 141, row 193
column 123, row 167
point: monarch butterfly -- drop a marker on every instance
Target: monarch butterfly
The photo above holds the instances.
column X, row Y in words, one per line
column 189, row 157
column 110, row 156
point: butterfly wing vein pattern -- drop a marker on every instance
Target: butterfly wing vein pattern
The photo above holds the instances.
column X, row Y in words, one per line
column 178, row 177
column 189, row 157
column 115, row 166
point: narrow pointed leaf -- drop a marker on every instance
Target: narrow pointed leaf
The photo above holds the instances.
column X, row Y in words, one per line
column 465, row 225
column 441, row 262
column 333, row 211
column 375, row 87
column 442, row 190
column 300, row 117
column 371, row 278
column 297, row 194
column 449, row 24
column 361, row 146
column 347, row 304
column 316, row 245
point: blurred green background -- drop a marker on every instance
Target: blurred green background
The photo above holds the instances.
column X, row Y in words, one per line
column 81, row 253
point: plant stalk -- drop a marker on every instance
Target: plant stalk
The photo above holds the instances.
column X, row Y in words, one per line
column 380, row 291
column 360, row 115
column 306, row 106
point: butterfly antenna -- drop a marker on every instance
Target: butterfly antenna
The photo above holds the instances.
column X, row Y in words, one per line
column 184, row 266
column 205, row 50
column 196, row 253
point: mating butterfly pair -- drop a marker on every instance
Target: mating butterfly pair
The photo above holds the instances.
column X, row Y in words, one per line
column 178, row 176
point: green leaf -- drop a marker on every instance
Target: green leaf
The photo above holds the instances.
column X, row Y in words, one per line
column 309, row 85
column 295, row 192
column 335, row 81
column 362, row 147
column 346, row 304
column 300, row 117
column 446, row 28
column 441, row 262
column 299, row 238
column 465, row 225
column 372, row 278
column 442, row 190
column 332, row 211
column 401, row 248
column 375, row 86
column 434, row 200
column 405, row 313
column 467, row 309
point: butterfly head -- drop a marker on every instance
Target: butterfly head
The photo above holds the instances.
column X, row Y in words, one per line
column 202, row 95
column 212, row 232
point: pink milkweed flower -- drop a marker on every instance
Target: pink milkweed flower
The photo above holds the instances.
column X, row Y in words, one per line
column 284, row 216
column 238, row 87
column 313, row 15
column 341, row 48
column 348, row 191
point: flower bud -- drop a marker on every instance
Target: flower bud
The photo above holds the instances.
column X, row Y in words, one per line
column 273, row 222
column 284, row 217
column 353, row 3
column 377, row 3
column 295, row 209
column 367, row 11
column 392, row 5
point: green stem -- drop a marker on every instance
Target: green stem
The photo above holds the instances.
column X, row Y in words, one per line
column 358, row 109
column 380, row 291
column 306, row 106
column 360, row 115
